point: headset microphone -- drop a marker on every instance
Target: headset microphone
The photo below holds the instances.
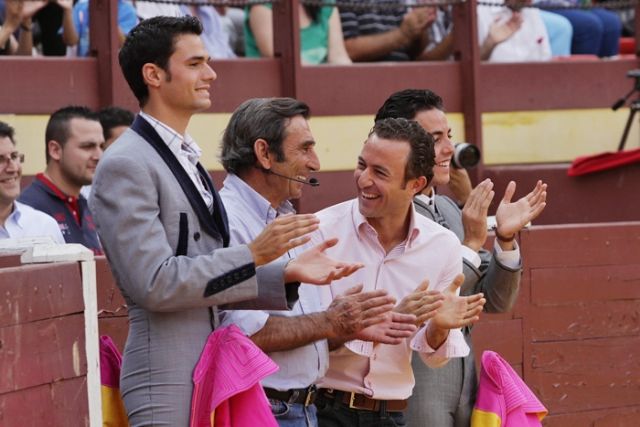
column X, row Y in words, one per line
column 312, row 181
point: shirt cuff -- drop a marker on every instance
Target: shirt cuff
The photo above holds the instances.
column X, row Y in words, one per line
column 454, row 346
column 471, row 256
column 362, row 348
column 510, row 259
column 249, row 321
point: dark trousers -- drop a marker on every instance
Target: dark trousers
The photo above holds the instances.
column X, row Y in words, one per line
column 333, row 413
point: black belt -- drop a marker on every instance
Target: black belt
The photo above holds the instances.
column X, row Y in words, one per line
column 362, row 402
column 305, row 396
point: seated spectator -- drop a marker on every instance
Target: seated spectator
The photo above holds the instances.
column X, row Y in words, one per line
column 320, row 34
column 596, row 31
column 127, row 19
column 114, row 121
column 14, row 19
column 384, row 34
column 215, row 35
column 73, row 141
column 53, row 28
column 511, row 34
column 560, row 32
column 18, row 220
column 440, row 35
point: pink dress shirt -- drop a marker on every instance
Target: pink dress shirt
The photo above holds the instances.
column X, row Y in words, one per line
column 430, row 252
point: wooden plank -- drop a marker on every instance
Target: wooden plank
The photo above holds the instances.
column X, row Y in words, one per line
column 586, row 283
column 553, row 85
column 116, row 327
column 10, row 260
column 341, row 90
column 502, row 336
column 614, row 417
column 573, row 376
column 586, row 320
column 59, row 404
column 110, row 298
column 69, row 81
column 41, row 352
column 239, row 80
column 570, row 200
column 41, row 291
column 582, row 245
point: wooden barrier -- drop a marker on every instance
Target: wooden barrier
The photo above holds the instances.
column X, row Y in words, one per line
column 42, row 346
column 574, row 334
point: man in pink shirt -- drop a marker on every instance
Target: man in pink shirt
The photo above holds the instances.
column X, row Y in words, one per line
column 367, row 384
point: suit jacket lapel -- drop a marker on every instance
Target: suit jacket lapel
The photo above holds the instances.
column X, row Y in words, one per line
column 219, row 212
column 432, row 211
column 216, row 225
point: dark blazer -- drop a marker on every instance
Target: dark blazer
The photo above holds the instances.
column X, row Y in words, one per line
column 445, row 396
column 168, row 256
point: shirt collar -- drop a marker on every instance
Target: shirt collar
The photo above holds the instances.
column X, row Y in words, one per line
column 53, row 189
column 362, row 226
column 255, row 200
column 16, row 215
column 427, row 198
column 177, row 143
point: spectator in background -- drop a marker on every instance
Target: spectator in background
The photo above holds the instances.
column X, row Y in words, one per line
column 385, row 33
column 73, row 141
column 18, row 220
column 440, row 44
column 14, row 19
column 214, row 35
column 114, row 121
column 127, row 19
column 511, row 34
column 53, row 29
column 320, row 34
column 596, row 31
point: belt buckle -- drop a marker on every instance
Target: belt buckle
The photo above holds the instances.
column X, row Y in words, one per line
column 311, row 391
column 352, row 398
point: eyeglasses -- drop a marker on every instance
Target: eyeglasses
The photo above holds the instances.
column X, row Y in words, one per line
column 14, row 157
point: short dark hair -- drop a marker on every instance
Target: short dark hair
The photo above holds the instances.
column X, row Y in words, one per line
column 58, row 124
column 112, row 117
column 6, row 131
column 409, row 102
column 152, row 41
column 421, row 156
column 265, row 118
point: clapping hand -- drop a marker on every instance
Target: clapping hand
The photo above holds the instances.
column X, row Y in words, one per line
column 511, row 217
column 422, row 303
column 313, row 266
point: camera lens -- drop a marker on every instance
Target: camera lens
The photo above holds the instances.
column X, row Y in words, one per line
column 465, row 155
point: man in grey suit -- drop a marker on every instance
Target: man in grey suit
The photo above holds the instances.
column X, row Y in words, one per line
column 445, row 397
column 165, row 230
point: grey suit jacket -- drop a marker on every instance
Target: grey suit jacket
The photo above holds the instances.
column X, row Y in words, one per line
column 167, row 255
column 445, row 397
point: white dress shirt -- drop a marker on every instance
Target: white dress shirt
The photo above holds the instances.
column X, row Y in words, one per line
column 25, row 221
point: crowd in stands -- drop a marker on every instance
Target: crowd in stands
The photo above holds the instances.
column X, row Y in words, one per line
column 354, row 31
